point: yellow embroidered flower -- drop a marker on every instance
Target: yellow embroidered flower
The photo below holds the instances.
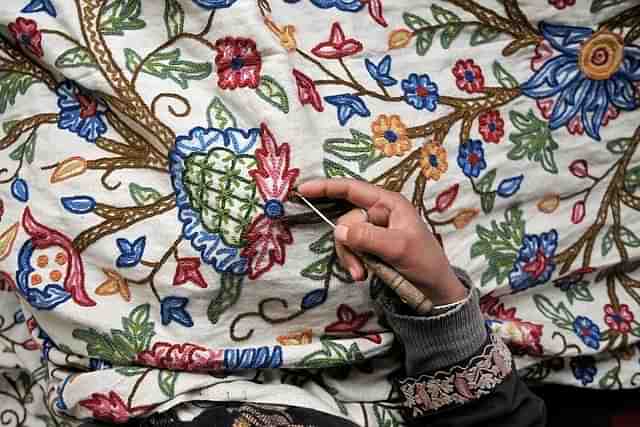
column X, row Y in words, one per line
column 287, row 37
column 433, row 160
column 390, row 135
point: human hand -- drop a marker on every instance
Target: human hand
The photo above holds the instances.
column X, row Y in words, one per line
column 394, row 232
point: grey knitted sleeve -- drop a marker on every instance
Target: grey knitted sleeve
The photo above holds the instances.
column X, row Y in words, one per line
column 435, row 342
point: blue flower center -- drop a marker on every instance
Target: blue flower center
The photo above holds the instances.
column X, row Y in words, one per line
column 390, row 136
column 273, row 209
column 469, row 76
column 25, row 39
column 617, row 318
column 237, row 63
column 492, row 127
column 433, row 160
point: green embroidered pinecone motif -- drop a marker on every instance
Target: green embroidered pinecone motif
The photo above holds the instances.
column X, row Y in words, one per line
column 222, row 191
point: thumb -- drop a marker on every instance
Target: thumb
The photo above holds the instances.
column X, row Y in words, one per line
column 386, row 243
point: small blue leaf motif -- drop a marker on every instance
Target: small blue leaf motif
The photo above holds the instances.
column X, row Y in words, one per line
column 130, row 253
column 18, row 317
column 314, row 299
column 35, row 6
column 174, row 309
column 510, row 186
column 78, row 204
column 348, row 106
column 20, row 190
column 380, row 72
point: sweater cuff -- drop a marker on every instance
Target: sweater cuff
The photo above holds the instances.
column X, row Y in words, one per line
column 434, row 342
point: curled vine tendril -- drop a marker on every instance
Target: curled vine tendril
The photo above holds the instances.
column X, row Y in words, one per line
column 183, row 100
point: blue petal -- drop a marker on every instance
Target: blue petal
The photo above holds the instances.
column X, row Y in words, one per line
column 131, row 253
column 48, row 298
column 20, row 190
column 569, row 102
column 565, row 38
column 631, row 62
column 343, row 5
column 348, row 106
column 241, row 140
column 549, row 243
column 621, row 92
column 594, row 109
column 40, row 6
column 214, row 4
column 78, row 204
column 509, row 187
column 554, row 76
column 314, row 299
column 173, row 309
column 372, row 69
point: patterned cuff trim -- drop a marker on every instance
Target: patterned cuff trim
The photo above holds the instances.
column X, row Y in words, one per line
column 461, row 383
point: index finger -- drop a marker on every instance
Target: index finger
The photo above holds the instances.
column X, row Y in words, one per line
column 362, row 194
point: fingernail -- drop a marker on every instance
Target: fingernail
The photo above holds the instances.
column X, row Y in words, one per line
column 355, row 274
column 341, row 233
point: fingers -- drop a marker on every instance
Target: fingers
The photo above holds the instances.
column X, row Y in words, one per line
column 347, row 259
column 359, row 193
column 388, row 244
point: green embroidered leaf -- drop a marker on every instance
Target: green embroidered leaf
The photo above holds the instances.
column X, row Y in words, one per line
column 611, row 379
column 138, row 328
column 167, row 382
column 533, row 141
column 173, row 18
column 101, row 346
column 579, row 292
column 131, row 371
column 143, row 195
column 119, row 16
column 319, row 270
column 40, row 373
column 503, row 77
column 482, row 35
column 359, row 149
column 385, row 417
column 629, row 238
column 424, row 40
column 26, row 150
column 332, row 354
column 559, row 314
column 219, row 116
column 607, row 242
column 76, row 57
column 324, row 244
column 414, row 22
column 487, row 200
column 598, row 5
column 228, row 295
column 488, row 196
column 451, row 22
column 335, row 170
column 500, row 245
column 632, row 179
column 168, row 65
column 619, row 145
column 272, row 92
column 11, row 85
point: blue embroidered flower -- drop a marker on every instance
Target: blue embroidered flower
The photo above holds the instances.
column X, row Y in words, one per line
column 59, row 399
column 130, row 252
column 80, row 112
column 214, row 4
column 210, row 168
column 99, row 364
column 380, row 72
column 174, row 309
column 343, row 5
column 587, row 73
column 534, row 264
column 510, row 186
column 471, row 158
column 348, row 106
column 587, row 331
column 420, row 92
column 584, row 368
column 35, row 6
column 253, row 358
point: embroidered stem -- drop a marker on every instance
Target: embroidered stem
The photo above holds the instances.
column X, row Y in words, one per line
column 24, row 126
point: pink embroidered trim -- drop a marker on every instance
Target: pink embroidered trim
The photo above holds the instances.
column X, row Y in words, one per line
column 461, row 383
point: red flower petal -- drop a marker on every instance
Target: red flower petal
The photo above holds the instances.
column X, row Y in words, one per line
column 446, row 198
column 375, row 10
column 579, row 168
column 307, row 91
column 337, row 46
column 349, row 320
column 578, row 212
column 267, row 240
column 188, row 270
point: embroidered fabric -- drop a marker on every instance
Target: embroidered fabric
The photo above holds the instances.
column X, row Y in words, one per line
column 461, row 383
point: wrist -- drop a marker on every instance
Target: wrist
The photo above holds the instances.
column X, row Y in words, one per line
column 449, row 289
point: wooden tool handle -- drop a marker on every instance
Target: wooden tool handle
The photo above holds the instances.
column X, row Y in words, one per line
column 406, row 290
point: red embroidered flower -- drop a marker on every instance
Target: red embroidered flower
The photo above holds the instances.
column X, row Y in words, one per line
column 6, row 282
column 26, row 32
column 337, row 46
column 238, row 63
column 111, row 408
column 561, row 4
column 267, row 236
column 188, row 270
column 468, row 76
column 491, row 126
column 351, row 322
column 181, row 357
column 307, row 91
column 619, row 320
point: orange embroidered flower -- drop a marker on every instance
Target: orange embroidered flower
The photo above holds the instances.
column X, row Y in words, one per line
column 433, row 160
column 296, row 338
column 399, row 38
column 390, row 135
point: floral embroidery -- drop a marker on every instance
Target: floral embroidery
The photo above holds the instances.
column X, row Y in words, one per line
column 534, row 264
column 619, row 319
column 307, row 91
column 380, row 72
column 35, row 6
column 491, row 126
column 420, row 92
column 471, row 158
column 587, row 331
column 110, row 407
column 584, row 75
column 348, row 106
column 296, row 338
column 130, row 252
column 181, row 357
column 115, row 284
column 468, row 76
column 459, row 384
column 188, row 270
column 214, row 4
column 337, row 46
column 584, row 368
column 390, row 135
column 80, row 112
column 253, row 358
column 238, row 62
column 433, row 160
column 561, row 4
column 26, row 32
column 174, row 309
